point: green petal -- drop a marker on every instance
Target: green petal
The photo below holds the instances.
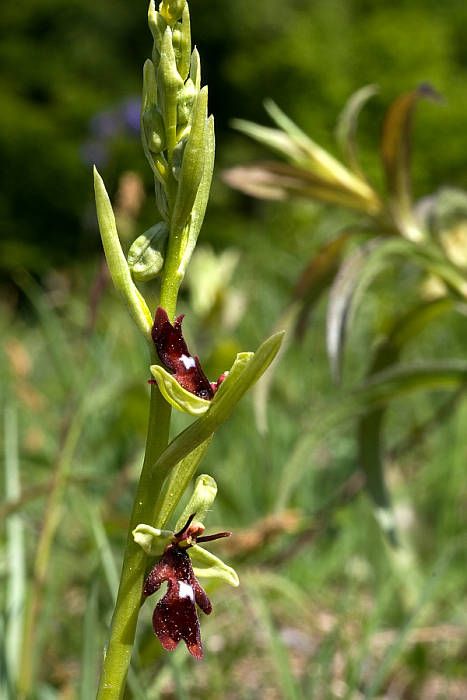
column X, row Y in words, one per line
column 176, row 395
column 207, row 565
column 152, row 540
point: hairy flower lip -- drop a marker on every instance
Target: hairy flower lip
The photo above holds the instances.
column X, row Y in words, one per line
column 175, row 616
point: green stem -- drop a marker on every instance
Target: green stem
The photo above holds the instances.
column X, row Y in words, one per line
column 125, row 617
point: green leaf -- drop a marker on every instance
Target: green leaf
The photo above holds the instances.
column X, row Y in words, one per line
column 313, row 282
column 370, row 427
column 358, row 271
column 176, row 395
column 274, row 139
column 343, row 297
column 347, row 126
column 271, row 180
column 395, row 152
column 118, row 266
column 207, row 565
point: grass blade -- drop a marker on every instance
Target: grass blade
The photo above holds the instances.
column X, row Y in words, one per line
column 16, row 582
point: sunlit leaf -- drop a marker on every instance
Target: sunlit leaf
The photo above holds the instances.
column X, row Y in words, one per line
column 271, row 180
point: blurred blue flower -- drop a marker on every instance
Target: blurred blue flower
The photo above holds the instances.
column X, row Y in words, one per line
column 122, row 119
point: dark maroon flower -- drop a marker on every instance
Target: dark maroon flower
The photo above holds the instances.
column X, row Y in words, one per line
column 175, row 616
column 175, row 356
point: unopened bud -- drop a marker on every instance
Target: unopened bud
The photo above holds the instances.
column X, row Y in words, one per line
column 146, row 255
column 154, row 129
column 172, row 10
column 185, row 99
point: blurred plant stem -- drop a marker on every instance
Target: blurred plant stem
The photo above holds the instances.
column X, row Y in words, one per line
column 71, row 434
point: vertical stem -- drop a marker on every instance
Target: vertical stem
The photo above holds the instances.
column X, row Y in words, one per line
column 125, row 617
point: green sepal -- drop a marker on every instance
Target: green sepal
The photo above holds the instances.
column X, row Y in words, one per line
column 202, row 197
column 176, row 395
column 147, row 253
column 200, row 502
column 207, row 565
column 152, row 540
column 182, row 44
column 148, row 104
column 195, row 69
column 157, row 26
column 116, row 261
column 149, row 95
column 192, row 168
column 169, row 83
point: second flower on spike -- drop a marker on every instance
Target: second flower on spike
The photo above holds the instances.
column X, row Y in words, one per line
column 194, row 391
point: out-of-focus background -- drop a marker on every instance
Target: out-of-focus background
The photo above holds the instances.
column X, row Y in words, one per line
column 324, row 610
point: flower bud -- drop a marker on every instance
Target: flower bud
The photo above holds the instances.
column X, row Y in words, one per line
column 154, row 129
column 177, row 155
column 195, row 69
column 172, row 10
column 146, row 255
column 181, row 41
column 185, row 99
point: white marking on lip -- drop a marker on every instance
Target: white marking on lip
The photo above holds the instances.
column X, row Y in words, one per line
column 185, row 590
column 188, row 362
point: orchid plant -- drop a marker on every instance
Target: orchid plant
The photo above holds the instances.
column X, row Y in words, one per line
column 178, row 141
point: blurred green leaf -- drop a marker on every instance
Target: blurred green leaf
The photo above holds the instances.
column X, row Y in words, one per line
column 395, row 152
column 370, row 426
column 346, row 130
